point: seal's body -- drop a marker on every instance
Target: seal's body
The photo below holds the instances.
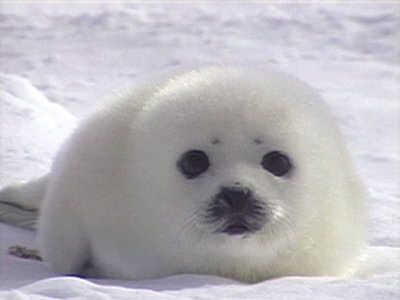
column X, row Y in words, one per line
column 227, row 171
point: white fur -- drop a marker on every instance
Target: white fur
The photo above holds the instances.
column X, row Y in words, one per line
column 116, row 198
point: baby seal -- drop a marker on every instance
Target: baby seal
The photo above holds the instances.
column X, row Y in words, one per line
column 228, row 171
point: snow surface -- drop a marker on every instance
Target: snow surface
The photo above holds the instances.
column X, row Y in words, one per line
column 60, row 61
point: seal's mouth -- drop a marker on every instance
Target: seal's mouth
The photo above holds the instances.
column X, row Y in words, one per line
column 240, row 226
column 237, row 229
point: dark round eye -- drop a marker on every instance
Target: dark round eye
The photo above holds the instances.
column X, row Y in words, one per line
column 276, row 163
column 193, row 163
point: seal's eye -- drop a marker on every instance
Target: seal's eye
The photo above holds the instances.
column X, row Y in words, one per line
column 276, row 163
column 193, row 163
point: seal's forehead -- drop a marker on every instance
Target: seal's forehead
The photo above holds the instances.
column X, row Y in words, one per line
column 231, row 88
column 230, row 100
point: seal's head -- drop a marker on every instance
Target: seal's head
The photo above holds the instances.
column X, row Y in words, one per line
column 246, row 165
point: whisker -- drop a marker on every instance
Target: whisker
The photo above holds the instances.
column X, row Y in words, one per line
column 190, row 221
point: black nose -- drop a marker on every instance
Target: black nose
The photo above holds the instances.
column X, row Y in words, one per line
column 234, row 198
column 236, row 210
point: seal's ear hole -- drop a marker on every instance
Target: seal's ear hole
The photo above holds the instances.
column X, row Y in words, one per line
column 193, row 163
column 277, row 163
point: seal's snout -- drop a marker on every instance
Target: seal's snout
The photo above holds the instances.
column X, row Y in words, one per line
column 237, row 210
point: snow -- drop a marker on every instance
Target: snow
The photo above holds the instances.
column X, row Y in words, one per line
column 58, row 62
column 32, row 129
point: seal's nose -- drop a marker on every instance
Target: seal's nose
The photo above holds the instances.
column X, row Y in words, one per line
column 234, row 198
column 238, row 210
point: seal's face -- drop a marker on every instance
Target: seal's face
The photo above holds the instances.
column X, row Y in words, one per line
column 225, row 159
column 234, row 209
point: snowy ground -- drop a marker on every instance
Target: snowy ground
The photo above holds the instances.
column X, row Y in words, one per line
column 77, row 56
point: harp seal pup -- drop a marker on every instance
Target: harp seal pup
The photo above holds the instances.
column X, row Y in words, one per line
column 228, row 171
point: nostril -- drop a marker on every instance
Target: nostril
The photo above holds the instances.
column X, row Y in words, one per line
column 225, row 201
column 233, row 197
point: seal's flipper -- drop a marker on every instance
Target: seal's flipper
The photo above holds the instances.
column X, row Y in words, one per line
column 19, row 203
